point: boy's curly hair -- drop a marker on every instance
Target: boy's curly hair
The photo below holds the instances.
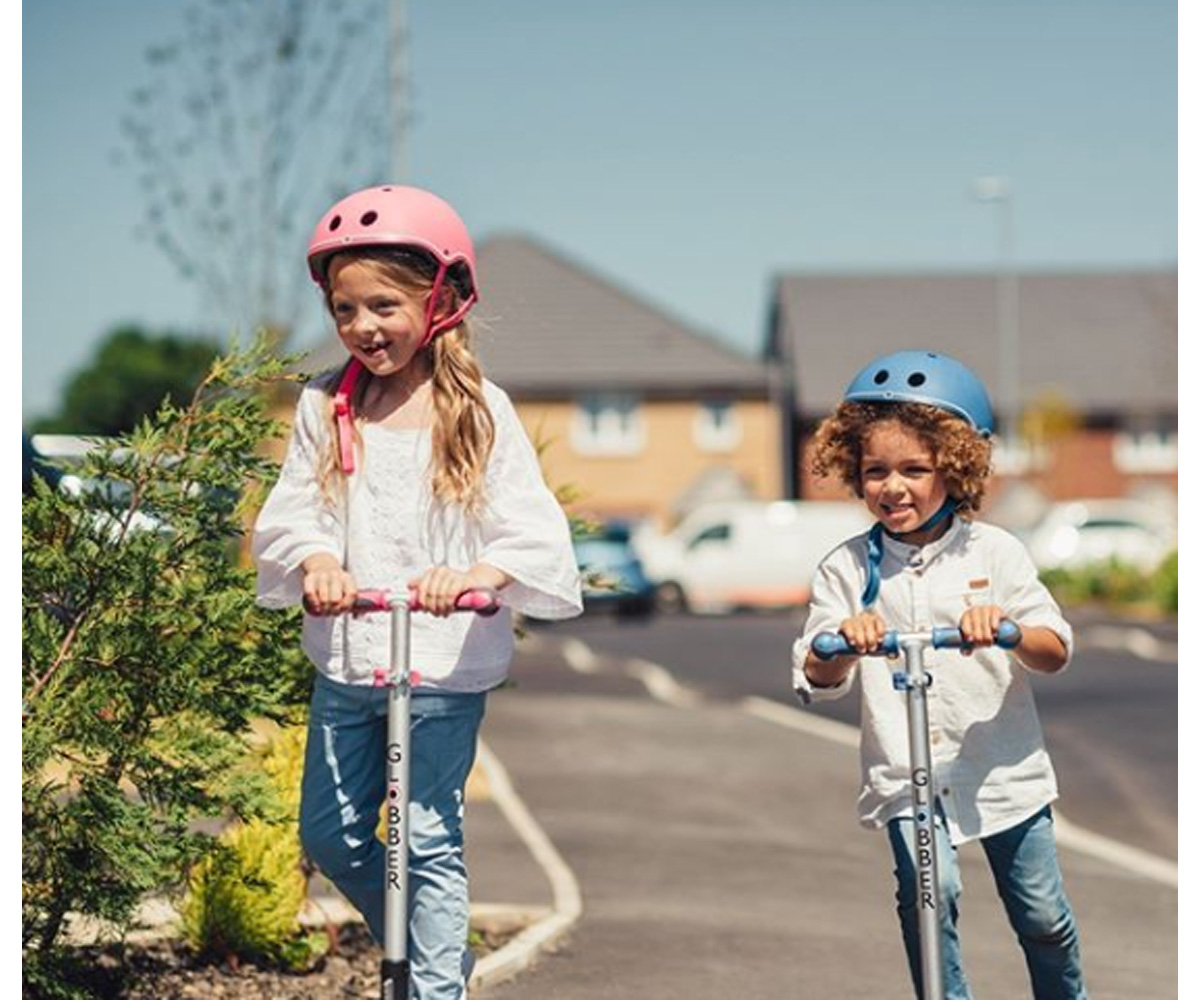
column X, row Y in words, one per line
column 960, row 454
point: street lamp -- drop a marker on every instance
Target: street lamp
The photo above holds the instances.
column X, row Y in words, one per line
column 998, row 191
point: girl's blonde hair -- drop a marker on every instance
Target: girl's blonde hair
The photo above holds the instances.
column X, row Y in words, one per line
column 463, row 428
column 960, row 454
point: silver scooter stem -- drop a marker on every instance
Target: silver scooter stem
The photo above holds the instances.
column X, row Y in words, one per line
column 916, row 683
column 399, row 758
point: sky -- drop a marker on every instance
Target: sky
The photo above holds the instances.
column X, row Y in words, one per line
column 689, row 150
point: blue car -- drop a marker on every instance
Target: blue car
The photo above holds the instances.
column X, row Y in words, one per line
column 613, row 576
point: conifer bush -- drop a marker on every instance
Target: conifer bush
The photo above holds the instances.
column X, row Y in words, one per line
column 144, row 660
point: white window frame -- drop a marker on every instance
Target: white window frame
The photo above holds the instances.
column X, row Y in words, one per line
column 1146, row 450
column 608, row 423
column 1016, row 457
column 717, row 433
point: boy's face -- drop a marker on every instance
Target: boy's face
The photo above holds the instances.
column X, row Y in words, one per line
column 900, row 482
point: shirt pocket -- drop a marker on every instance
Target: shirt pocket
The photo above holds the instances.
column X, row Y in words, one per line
column 953, row 601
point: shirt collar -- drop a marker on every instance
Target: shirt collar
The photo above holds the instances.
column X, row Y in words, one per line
column 904, row 552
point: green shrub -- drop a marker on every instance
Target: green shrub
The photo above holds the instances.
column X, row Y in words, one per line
column 245, row 898
column 144, row 660
column 1116, row 585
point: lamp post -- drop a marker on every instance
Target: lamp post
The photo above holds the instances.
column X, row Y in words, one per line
column 998, row 192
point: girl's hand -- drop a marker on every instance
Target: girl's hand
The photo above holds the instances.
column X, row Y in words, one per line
column 437, row 589
column 979, row 626
column 328, row 589
column 865, row 631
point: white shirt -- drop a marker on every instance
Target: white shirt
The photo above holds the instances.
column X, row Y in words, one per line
column 394, row 530
column 991, row 768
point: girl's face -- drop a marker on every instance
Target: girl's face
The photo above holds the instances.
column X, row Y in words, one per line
column 900, row 481
column 380, row 322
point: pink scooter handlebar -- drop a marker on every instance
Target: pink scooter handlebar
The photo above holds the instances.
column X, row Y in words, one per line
column 483, row 602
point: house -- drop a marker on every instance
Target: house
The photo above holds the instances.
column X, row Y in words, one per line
column 639, row 414
column 1095, row 408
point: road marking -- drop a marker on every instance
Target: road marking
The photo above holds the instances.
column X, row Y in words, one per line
column 579, row 656
column 794, row 718
column 520, row 952
column 1132, row 859
column 1069, row 835
column 1136, row 641
column 661, row 685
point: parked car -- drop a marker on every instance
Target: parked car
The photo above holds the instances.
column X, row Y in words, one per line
column 746, row 554
column 619, row 583
column 1078, row 532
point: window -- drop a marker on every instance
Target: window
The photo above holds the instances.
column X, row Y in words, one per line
column 717, row 427
column 1146, row 448
column 1016, row 456
column 608, row 423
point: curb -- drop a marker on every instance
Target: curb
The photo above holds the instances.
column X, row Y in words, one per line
column 519, row 953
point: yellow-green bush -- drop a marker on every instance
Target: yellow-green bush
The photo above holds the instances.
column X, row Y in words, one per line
column 245, row 899
column 1118, row 585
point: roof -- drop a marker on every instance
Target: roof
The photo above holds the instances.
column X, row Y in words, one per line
column 1104, row 342
column 546, row 325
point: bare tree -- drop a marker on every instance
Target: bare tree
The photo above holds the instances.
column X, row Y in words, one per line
column 261, row 114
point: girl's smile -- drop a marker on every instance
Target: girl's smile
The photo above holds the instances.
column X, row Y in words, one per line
column 901, row 484
column 380, row 322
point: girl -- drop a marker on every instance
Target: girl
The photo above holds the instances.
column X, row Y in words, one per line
column 406, row 467
column 911, row 440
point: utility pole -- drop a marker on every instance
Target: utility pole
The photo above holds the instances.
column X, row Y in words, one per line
column 398, row 90
column 998, row 191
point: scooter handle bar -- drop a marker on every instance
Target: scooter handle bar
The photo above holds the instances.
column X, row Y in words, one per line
column 483, row 602
column 827, row 645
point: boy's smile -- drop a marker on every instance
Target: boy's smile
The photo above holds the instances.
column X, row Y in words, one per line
column 901, row 484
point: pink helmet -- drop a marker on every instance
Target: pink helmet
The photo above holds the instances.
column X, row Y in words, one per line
column 394, row 216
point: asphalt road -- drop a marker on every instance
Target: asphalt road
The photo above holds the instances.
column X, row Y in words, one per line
column 1110, row 719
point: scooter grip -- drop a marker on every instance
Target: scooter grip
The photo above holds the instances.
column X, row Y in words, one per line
column 483, row 602
column 371, row 600
column 1008, row 636
column 827, row 645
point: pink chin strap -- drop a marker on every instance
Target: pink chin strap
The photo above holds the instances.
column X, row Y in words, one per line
column 343, row 411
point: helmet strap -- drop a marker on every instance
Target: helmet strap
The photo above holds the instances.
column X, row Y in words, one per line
column 875, row 548
column 343, row 414
column 433, row 329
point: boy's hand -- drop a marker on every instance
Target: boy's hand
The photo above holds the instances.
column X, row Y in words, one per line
column 328, row 589
column 865, row 631
column 979, row 626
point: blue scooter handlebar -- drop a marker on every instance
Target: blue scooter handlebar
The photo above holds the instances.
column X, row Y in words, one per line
column 827, row 645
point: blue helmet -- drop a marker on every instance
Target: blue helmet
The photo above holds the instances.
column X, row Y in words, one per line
column 925, row 377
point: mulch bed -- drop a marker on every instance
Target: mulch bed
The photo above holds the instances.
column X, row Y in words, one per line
column 168, row 970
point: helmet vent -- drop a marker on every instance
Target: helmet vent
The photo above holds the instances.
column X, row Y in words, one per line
column 334, row 223
column 916, row 379
column 369, row 219
column 881, row 376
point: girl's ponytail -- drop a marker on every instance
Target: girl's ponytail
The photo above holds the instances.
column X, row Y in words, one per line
column 463, row 429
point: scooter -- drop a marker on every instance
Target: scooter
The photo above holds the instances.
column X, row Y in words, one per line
column 400, row 679
column 914, row 680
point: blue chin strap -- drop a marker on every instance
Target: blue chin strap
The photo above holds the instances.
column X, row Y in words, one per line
column 875, row 548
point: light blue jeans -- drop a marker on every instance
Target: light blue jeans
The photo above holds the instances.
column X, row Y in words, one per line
column 1025, row 866
column 343, row 788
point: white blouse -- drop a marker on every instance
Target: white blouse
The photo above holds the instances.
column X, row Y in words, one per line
column 392, row 530
column 991, row 768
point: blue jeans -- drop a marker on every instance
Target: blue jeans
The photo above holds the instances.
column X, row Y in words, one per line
column 343, row 789
column 1025, row 867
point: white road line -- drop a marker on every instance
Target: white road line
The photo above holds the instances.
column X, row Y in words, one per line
column 579, row 656
column 661, row 684
column 1136, row 641
column 1132, row 859
column 1077, row 838
column 520, row 952
column 794, row 718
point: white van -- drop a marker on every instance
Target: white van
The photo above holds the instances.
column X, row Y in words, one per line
column 746, row 554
